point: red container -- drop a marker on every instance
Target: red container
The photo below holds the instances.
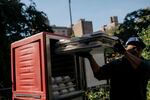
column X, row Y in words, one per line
column 34, row 63
column 39, row 73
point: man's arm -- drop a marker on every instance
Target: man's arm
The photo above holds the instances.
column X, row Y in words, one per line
column 95, row 67
column 98, row 71
column 139, row 64
column 134, row 60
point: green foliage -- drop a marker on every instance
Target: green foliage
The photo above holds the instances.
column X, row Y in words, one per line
column 133, row 23
column 112, row 31
column 17, row 21
column 145, row 35
column 148, row 91
column 100, row 93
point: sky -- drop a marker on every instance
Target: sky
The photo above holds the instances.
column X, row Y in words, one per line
column 97, row 11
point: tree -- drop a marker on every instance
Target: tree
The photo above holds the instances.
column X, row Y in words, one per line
column 112, row 30
column 17, row 21
column 133, row 23
column 145, row 35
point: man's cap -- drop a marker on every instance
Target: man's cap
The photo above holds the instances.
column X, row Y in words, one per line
column 136, row 41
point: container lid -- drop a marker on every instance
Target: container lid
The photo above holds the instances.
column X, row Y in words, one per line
column 85, row 43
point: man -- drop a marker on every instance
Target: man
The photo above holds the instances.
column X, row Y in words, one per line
column 128, row 75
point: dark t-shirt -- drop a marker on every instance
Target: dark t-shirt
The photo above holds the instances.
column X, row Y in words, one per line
column 126, row 83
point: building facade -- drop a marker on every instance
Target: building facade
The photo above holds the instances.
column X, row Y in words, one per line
column 82, row 27
column 113, row 23
column 61, row 30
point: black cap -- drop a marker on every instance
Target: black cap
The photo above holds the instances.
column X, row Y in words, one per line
column 136, row 41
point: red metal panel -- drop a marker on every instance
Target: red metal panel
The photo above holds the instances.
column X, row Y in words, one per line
column 28, row 71
column 28, row 68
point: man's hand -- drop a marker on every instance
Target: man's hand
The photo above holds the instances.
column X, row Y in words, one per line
column 118, row 47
